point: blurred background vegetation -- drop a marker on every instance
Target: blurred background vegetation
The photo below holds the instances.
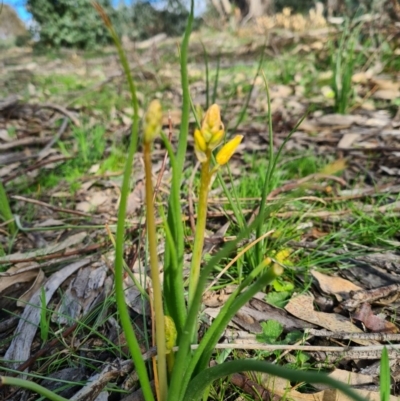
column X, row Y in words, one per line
column 75, row 24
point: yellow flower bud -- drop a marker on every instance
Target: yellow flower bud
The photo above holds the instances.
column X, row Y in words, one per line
column 170, row 333
column 200, row 146
column 227, row 151
column 199, row 140
column 216, row 139
column 212, row 120
column 152, row 121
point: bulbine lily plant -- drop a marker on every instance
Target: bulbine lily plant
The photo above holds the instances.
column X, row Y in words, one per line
column 181, row 370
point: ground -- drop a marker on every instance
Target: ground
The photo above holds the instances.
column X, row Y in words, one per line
column 332, row 204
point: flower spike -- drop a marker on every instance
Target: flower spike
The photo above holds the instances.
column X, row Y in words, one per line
column 152, row 121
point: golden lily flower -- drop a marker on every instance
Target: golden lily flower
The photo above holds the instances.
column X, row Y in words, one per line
column 210, row 135
column 200, row 146
column 152, row 121
column 212, row 120
column 227, row 151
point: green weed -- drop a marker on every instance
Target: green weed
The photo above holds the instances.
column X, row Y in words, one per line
column 343, row 62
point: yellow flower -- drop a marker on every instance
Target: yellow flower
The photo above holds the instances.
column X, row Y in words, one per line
column 152, row 121
column 216, row 139
column 199, row 140
column 227, row 151
column 210, row 135
column 212, row 120
column 200, row 146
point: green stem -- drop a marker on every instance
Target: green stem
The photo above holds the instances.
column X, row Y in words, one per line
column 5, row 210
column 173, row 275
column 155, row 279
column 183, row 357
column 205, row 178
column 268, row 177
column 130, row 336
column 13, row 381
column 174, row 291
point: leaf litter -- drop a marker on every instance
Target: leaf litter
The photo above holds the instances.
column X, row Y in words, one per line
column 352, row 310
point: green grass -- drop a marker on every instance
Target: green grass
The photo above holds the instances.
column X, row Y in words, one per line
column 85, row 149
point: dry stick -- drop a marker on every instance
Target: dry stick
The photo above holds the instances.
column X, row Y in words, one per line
column 372, row 150
column 375, row 191
column 88, row 249
column 56, row 137
column 61, row 110
column 349, row 336
column 36, row 267
column 24, row 142
column 294, row 185
column 70, row 211
column 359, row 352
column 36, row 166
column 55, row 208
column 362, row 296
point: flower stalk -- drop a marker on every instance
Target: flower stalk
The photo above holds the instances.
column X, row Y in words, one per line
column 209, row 137
column 205, row 179
column 152, row 128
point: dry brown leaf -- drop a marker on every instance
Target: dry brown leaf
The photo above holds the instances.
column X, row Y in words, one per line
column 334, row 167
column 337, row 286
column 348, row 140
column 215, row 299
column 373, row 322
column 26, row 296
column 317, row 233
column 386, row 94
column 340, row 120
column 72, row 240
column 351, row 378
column 281, row 387
column 16, row 278
column 302, row 307
column 386, row 84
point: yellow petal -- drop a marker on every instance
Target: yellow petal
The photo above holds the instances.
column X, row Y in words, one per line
column 216, row 139
column 199, row 140
column 152, row 121
column 200, row 154
column 212, row 119
column 207, row 134
column 228, row 150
